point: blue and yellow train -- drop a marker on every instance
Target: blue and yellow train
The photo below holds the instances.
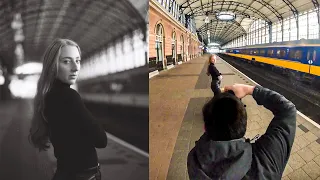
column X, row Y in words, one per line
column 299, row 59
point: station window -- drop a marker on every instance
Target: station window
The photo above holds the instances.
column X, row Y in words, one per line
column 270, row 52
column 262, row 51
column 281, row 53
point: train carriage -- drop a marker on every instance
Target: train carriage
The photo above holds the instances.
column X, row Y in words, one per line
column 298, row 59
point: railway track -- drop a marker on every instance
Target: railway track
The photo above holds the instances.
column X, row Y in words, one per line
column 305, row 97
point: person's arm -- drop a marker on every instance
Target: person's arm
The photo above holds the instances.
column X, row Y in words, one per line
column 214, row 71
column 273, row 148
column 89, row 125
column 275, row 145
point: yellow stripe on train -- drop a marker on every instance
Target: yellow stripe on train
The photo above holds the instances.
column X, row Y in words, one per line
column 315, row 70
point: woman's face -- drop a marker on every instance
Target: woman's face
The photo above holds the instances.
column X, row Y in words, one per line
column 69, row 64
column 213, row 59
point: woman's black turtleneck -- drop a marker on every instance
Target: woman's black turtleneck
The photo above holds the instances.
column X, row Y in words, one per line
column 74, row 133
column 213, row 71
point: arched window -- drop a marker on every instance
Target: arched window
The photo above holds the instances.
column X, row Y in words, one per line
column 159, row 44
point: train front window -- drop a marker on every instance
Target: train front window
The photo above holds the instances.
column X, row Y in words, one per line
column 262, row 51
column 270, row 52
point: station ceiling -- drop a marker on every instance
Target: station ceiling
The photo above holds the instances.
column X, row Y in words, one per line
column 246, row 11
column 92, row 24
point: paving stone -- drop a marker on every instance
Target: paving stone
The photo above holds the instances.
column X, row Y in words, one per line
column 303, row 128
column 287, row 170
column 302, row 141
column 184, row 134
column 306, row 154
column 312, row 169
column 285, row 178
column 316, row 132
column 299, row 132
column 295, row 161
column 300, row 119
column 299, row 175
column 315, row 148
column 317, row 160
column 182, row 145
column 253, row 126
column 308, row 125
column 295, row 148
column 310, row 136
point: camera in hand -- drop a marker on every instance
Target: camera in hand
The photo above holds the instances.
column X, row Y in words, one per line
column 231, row 92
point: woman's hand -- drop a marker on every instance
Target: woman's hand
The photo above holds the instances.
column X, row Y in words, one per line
column 240, row 90
column 220, row 77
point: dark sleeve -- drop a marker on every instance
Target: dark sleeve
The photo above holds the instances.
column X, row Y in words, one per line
column 214, row 71
column 83, row 118
column 274, row 147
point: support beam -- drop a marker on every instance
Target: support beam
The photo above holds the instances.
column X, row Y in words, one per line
column 269, row 31
column 282, row 30
column 316, row 5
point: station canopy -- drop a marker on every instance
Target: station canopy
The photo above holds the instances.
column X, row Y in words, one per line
column 227, row 20
column 92, row 24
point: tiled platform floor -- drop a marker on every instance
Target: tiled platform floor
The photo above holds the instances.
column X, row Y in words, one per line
column 176, row 99
column 19, row 160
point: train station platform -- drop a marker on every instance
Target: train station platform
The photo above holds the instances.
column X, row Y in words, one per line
column 19, row 160
column 176, row 100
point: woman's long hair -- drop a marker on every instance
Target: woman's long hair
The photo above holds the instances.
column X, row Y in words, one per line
column 39, row 131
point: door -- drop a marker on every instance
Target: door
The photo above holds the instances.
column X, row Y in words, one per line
column 174, row 52
column 311, row 55
column 159, row 52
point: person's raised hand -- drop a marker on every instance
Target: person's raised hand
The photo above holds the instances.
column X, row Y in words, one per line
column 240, row 90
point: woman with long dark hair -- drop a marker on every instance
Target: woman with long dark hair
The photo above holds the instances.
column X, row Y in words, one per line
column 61, row 118
column 215, row 75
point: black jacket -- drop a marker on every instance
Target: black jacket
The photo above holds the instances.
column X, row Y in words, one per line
column 74, row 133
column 238, row 159
column 213, row 71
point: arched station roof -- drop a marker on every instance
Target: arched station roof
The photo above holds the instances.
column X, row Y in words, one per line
column 246, row 12
column 92, row 24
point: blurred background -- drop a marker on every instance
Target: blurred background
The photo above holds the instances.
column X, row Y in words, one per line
column 113, row 82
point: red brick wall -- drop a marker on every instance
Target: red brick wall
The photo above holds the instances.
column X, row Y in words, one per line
column 157, row 16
